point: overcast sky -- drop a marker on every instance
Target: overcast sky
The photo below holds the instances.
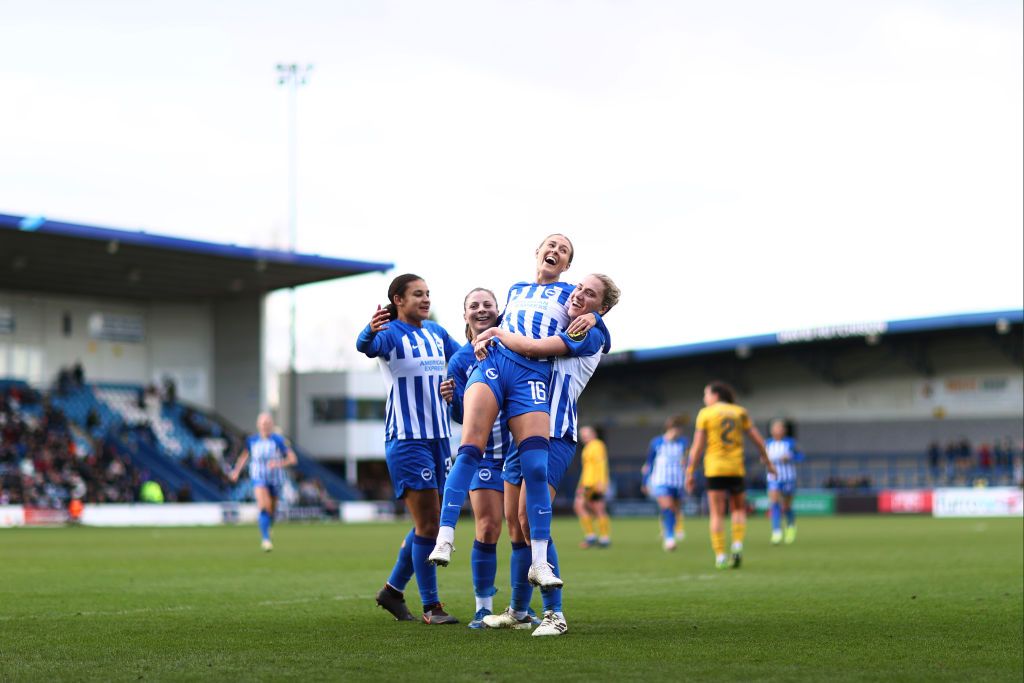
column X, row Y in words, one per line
column 738, row 168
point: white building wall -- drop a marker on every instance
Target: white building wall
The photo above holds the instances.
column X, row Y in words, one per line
column 177, row 341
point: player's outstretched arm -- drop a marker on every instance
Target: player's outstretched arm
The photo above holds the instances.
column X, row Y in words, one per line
column 762, row 451
column 524, row 346
column 239, row 464
column 696, row 453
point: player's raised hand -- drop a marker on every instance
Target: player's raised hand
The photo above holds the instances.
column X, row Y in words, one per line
column 581, row 325
column 447, row 389
column 480, row 348
column 380, row 319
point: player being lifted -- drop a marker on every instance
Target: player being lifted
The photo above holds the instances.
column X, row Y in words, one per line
column 576, row 357
column 518, row 386
column 721, row 427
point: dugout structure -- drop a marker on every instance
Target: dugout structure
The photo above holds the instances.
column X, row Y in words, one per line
column 132, row 306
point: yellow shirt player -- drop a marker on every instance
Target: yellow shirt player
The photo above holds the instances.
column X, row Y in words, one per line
column 720, row 430
column 590, row 494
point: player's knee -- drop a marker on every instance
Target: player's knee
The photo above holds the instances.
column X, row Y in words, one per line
column 488, row 530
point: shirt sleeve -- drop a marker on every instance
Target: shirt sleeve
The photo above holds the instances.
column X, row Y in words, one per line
column 373, row 344
column 702, row 421
column 587, row 344
column 457, row 370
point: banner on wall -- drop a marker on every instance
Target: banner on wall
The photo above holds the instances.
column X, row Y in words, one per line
column 804, row 503
column 997, row 501
column 905, row 502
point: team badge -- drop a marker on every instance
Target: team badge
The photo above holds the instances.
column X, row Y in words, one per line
column 426, row 474
column 485, row 475
column 491, row 373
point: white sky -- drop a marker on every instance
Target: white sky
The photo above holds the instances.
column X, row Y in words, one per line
column 738, row 168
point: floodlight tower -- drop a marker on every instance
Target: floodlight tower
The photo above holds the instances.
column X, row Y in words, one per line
column 291, row 76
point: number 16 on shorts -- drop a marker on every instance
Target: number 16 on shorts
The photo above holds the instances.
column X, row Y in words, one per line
column 538, row 391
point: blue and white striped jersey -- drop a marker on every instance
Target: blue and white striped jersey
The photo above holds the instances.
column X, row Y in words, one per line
column 412, row 361
column 665, row 460
column 460, row 367
column 536, row 312
column 569, row 376
column 261, row 453
column 784, row 456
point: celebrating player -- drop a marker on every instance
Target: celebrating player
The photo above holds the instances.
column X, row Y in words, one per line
column 576, row 358
column 267, row 454
column 413, row 352
column 664, row 479
column 480, row 310
column 784, row 455
column 592, row 490
column 721, row 426
column 518, row 386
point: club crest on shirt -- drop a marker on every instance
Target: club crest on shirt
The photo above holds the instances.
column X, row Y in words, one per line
column 485, row 474
column 426, row 474
column 550, row 292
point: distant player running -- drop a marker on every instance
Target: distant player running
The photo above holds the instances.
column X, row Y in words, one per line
column 267, row 454
column 591, row 492
column 721, row 426
column 784, row 455
column 664, row 478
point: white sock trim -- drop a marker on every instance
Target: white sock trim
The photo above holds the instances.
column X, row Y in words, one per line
column 539, row 551
column 446, row 533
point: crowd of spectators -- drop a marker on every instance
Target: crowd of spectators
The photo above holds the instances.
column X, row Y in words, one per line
column 42, row 464
column 958, row 462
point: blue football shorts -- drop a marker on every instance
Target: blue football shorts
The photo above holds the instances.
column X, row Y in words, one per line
column 416, row 463
column 517, row 388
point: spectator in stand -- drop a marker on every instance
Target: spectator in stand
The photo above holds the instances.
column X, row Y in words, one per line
column 934, row 458
column 985, row 459
column 952, row 448
column 78, row 374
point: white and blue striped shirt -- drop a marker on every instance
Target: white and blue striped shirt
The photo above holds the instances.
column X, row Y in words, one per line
column 262, row 452
column 569, row 377
column 536, row 312
column 460, row 367
column 665, row 460
column 412, row 361
column 784, row 456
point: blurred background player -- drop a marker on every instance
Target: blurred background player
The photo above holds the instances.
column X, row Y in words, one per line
column 267, row 454
column 784, row 455
column 664, row 478
column 413, row 353
column 590, row 503
column 480, row 311
column 721, row 426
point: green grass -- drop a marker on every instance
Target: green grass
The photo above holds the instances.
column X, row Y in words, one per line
column 856, row 598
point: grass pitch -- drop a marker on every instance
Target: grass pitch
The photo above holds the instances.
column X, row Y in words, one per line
column 855, row 598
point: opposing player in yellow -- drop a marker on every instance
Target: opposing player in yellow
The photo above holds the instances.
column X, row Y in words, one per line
column 721, row 426
column 592, row 489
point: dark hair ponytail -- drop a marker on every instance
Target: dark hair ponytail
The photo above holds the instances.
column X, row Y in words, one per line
column 725, row 393
column 397, row 288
